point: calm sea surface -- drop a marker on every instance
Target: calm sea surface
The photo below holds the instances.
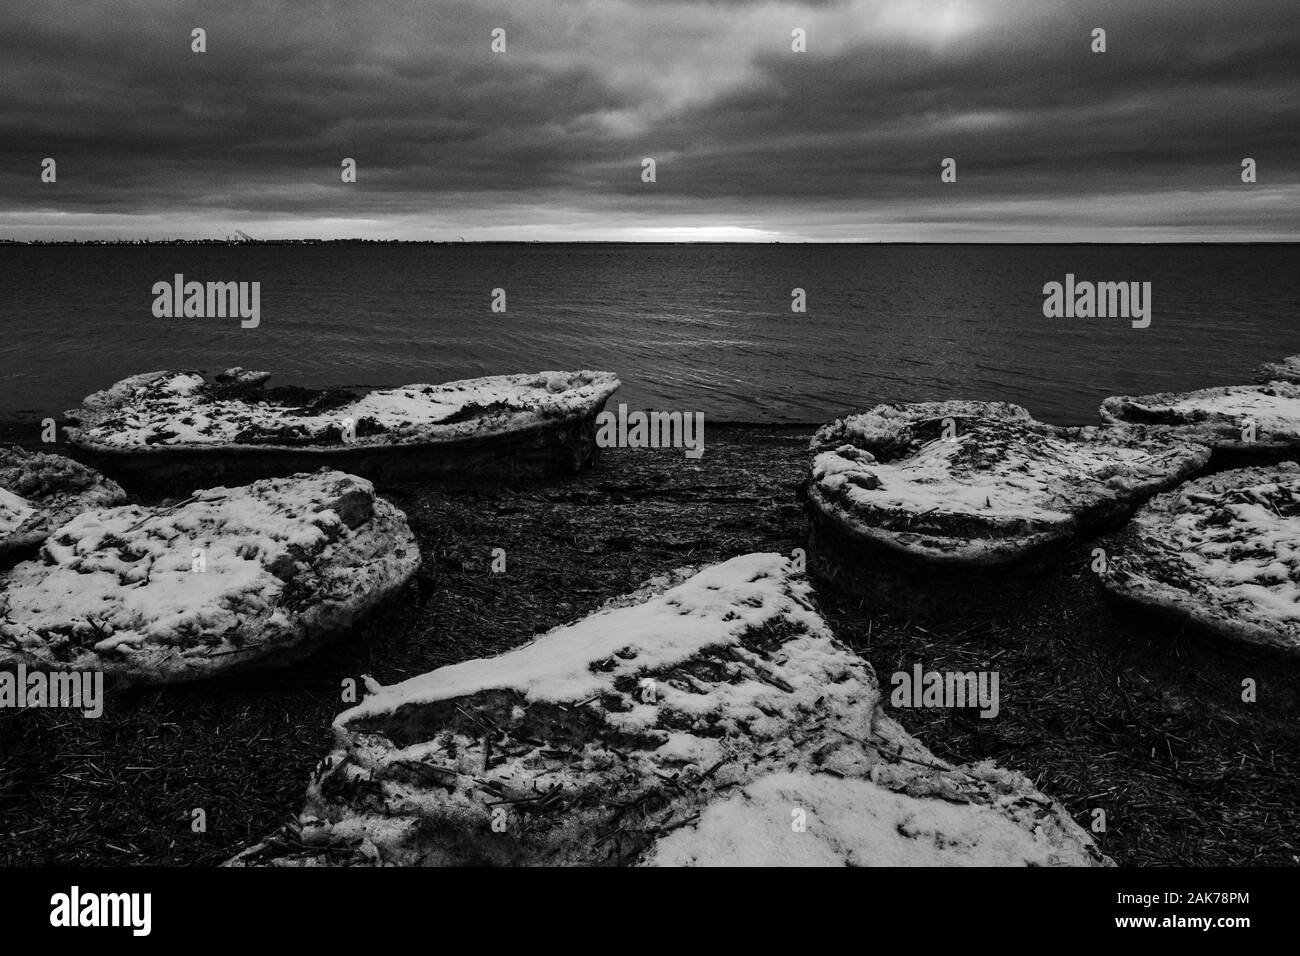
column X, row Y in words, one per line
column 692, row 327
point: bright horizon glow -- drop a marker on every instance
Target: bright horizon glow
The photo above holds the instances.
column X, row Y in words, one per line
column 1172, row 217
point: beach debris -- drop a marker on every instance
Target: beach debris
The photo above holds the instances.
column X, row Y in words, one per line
column 231, row 423
column 1221, row 553
column 973, row 484
column 1256, row 423
column 228, row 580
column 708, row 718
column 41, row 491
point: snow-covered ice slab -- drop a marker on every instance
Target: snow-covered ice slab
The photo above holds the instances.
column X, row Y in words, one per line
column 855, row 822
column 164, row 425
column 1222, row 553
column 1286, row 370
column 969, row 485
column 684, row 723
column 1251, row 423
column 230, row 580
column 39, row 492
column 888, row 431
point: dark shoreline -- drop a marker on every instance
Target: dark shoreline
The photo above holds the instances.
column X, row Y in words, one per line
column 1100, row 709
column 27, row 432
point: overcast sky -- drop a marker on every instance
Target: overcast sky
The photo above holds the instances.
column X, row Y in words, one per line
column 751, row 140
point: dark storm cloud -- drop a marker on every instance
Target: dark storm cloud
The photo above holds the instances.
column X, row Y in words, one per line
column 843, row 141
column 1018, row 109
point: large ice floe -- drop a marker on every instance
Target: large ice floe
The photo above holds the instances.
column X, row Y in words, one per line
column 710, row 717
column 968, row 485
column 1285, row 370
column 39, row 492
column 1247, row 423
column 231, row 423
column 1222, row 553
column 232, row 579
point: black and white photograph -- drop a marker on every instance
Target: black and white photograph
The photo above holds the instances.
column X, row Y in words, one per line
column 586, row 434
